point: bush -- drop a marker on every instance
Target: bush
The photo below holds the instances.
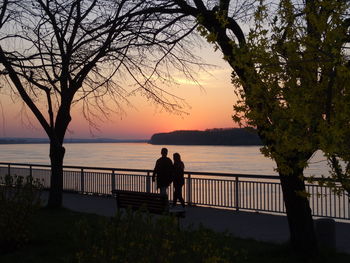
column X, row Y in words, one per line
column 19, row 199
column 139, row 237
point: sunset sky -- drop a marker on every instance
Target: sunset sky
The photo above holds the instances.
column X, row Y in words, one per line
column 209, row 107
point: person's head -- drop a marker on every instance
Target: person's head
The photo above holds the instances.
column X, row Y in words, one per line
column 177, row 157
column 164, row 152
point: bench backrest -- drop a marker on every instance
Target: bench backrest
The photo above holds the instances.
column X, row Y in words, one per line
column 153, row 202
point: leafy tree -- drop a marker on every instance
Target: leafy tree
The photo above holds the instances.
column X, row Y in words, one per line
column 335, row 135
column 291, row 74
column 57, row 53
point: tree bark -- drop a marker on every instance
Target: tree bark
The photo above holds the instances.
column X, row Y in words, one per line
column 57, row 152
column 301, row 226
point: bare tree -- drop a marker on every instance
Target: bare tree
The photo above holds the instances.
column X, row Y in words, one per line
column 55, row 53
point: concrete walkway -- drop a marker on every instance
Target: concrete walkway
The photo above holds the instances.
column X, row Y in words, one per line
column 258, row 226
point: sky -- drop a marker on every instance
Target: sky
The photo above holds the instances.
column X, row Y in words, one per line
column 210, row 105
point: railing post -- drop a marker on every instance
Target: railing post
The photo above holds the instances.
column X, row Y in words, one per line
column 237, row 194
column 148, row 183
column 189, row 191
column 30, row 171
column 9, row 169
column 113, row 180
column 82, row 180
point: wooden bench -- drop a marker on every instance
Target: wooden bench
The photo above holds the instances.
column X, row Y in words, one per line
column 154, row 203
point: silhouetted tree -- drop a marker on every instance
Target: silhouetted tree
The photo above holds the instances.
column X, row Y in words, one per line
column 291, row 73
column 55, row 53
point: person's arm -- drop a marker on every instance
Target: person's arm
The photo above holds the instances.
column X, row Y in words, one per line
column 155, row 172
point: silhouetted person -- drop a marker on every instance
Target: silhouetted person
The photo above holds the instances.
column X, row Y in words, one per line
column 163, row 171
column 178, row 180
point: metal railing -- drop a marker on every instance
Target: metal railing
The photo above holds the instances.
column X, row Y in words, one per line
column 230, row 191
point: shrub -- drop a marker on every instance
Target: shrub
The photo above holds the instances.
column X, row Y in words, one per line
column 19, row 199
column 139, row 237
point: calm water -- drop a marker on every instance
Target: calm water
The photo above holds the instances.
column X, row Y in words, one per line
column 226, row 159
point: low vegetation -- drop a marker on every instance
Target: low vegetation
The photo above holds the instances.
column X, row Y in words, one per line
column 19, row 199
column 62, row 235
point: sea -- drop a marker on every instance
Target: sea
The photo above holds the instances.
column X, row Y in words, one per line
column 217, row 159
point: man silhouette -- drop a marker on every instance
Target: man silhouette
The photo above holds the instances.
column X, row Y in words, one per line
column 163, row 172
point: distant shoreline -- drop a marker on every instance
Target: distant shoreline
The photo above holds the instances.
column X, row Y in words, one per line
column 67, row 141
column 215, row 137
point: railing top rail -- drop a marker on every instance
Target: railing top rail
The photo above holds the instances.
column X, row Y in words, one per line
column 78, row 167
column 145, row 170
column 233, row 175
column 212, row 174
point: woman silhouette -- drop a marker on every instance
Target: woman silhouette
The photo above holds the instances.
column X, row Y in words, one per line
column 179, row 180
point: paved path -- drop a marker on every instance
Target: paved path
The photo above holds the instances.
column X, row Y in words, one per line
column 258, row 226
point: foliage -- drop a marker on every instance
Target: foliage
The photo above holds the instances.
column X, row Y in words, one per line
column 139, row 237
column 303, row 65
column 19, row 199
column 298, row 56
column 56, row 239
column 335, row 143
column 339, row 178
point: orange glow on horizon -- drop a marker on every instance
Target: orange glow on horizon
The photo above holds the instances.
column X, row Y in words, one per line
column 211, row 106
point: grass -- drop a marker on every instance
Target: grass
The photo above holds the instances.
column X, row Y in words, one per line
column 57, row 237
column 51, row 238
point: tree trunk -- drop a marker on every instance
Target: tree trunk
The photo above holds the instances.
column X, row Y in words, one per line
column 57, row 152
column 302, row 234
